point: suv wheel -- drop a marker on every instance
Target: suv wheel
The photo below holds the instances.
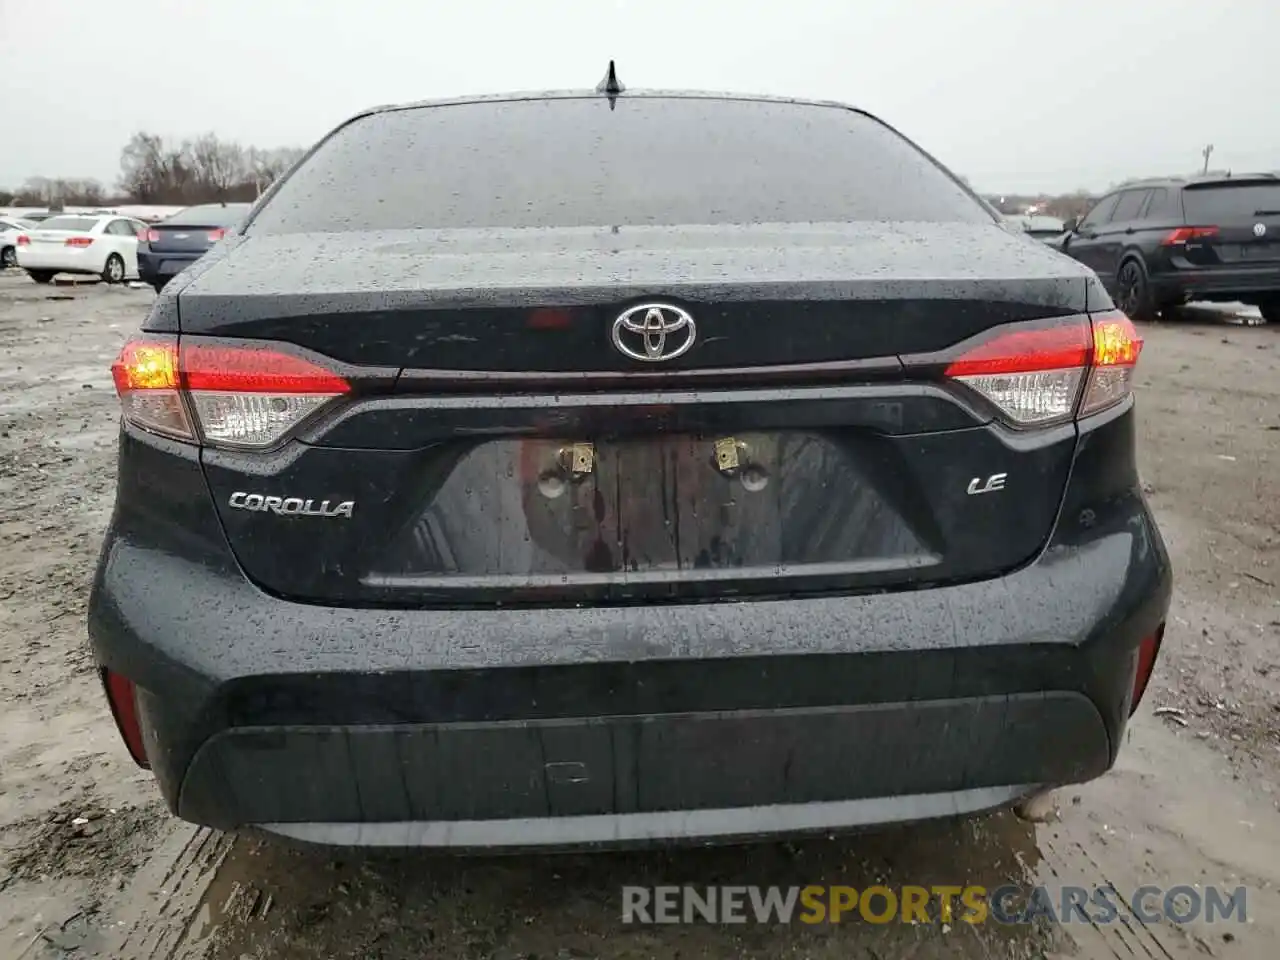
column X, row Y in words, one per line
column 1133, row 293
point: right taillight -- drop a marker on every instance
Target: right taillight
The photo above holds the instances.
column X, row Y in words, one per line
column 227, row 395
column 23, row 240
column 1116, row 345
column 1042, row 373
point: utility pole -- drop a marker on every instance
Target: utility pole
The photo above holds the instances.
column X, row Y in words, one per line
column 1205, row 153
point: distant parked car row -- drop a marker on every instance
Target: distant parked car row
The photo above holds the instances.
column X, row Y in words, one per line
column 113, row 247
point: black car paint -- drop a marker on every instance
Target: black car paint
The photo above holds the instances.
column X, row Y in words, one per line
column 305, row 677
column 1113, row 233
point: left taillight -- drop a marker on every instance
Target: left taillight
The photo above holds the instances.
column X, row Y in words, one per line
column 220, row 394
column 122, row 697
column 1043, row 373
column 23, row 240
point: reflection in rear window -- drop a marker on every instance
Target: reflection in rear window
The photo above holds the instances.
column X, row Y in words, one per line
column 68, row 223
column 1227, row 202
column 579, row 163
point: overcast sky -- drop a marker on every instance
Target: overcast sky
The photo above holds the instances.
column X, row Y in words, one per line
column 1014, row 94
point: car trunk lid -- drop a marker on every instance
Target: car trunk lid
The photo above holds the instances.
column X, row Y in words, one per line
column 804, row 443
column 1246, row 215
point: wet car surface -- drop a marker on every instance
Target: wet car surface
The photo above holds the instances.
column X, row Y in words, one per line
column 1191, row 800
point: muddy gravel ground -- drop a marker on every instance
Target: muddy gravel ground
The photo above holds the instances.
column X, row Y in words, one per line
column 91, row 865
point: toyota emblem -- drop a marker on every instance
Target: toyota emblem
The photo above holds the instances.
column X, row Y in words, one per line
column 1259, row 229
column 654, row 331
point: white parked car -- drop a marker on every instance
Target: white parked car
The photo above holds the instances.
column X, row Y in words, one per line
column 10, row 228
column 101, row 245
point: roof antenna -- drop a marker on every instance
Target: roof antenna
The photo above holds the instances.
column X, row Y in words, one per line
column 611, row 85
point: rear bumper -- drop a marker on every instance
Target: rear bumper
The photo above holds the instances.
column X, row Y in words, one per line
column 163, row 266
column 1219, row 284
column 84, row 261
column 583, row 726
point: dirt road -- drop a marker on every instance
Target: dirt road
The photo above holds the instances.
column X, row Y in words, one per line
column 91, row 865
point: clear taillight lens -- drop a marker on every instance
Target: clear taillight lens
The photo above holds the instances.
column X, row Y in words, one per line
column 249, row 419
column 1032, row 374
column 223, row 395
column 1035, row 374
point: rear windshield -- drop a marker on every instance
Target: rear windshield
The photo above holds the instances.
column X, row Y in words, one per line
column 68, row 223
column 208, row 215
column 578, row 163
column 1231, row 202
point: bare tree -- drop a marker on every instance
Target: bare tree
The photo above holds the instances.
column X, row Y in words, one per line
column 267, row 166
column 217, row 166
column 145, row 169
column 198, row 171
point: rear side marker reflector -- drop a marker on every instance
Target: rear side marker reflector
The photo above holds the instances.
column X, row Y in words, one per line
column 247, row 397
column 1035, row 375
column 1148, row 650
column 122, row 697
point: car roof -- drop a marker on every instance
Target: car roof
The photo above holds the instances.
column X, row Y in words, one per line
column 628, row 94
column 1198, row 180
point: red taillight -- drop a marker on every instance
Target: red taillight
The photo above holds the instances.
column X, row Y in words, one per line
column 153, row 236
column 1035, row 373
column 23, row 240
column 1026, row 351
column 239, row 396
column 122, row 697
column 1181, row 235
column 1148, row 649
column 216, row 235
column 1116, row 346
column 78, row 241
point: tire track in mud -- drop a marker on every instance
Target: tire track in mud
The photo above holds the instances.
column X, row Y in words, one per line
column 165, row 900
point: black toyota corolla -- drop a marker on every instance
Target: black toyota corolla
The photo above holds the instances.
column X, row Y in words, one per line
column 609, row 468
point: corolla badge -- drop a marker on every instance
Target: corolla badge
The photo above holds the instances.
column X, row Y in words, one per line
column 1259, row 229
column 291, row 506
column 654, row 332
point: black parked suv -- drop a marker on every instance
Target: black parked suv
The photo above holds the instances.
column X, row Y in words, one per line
column 543, row 470
column 1159, row 243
